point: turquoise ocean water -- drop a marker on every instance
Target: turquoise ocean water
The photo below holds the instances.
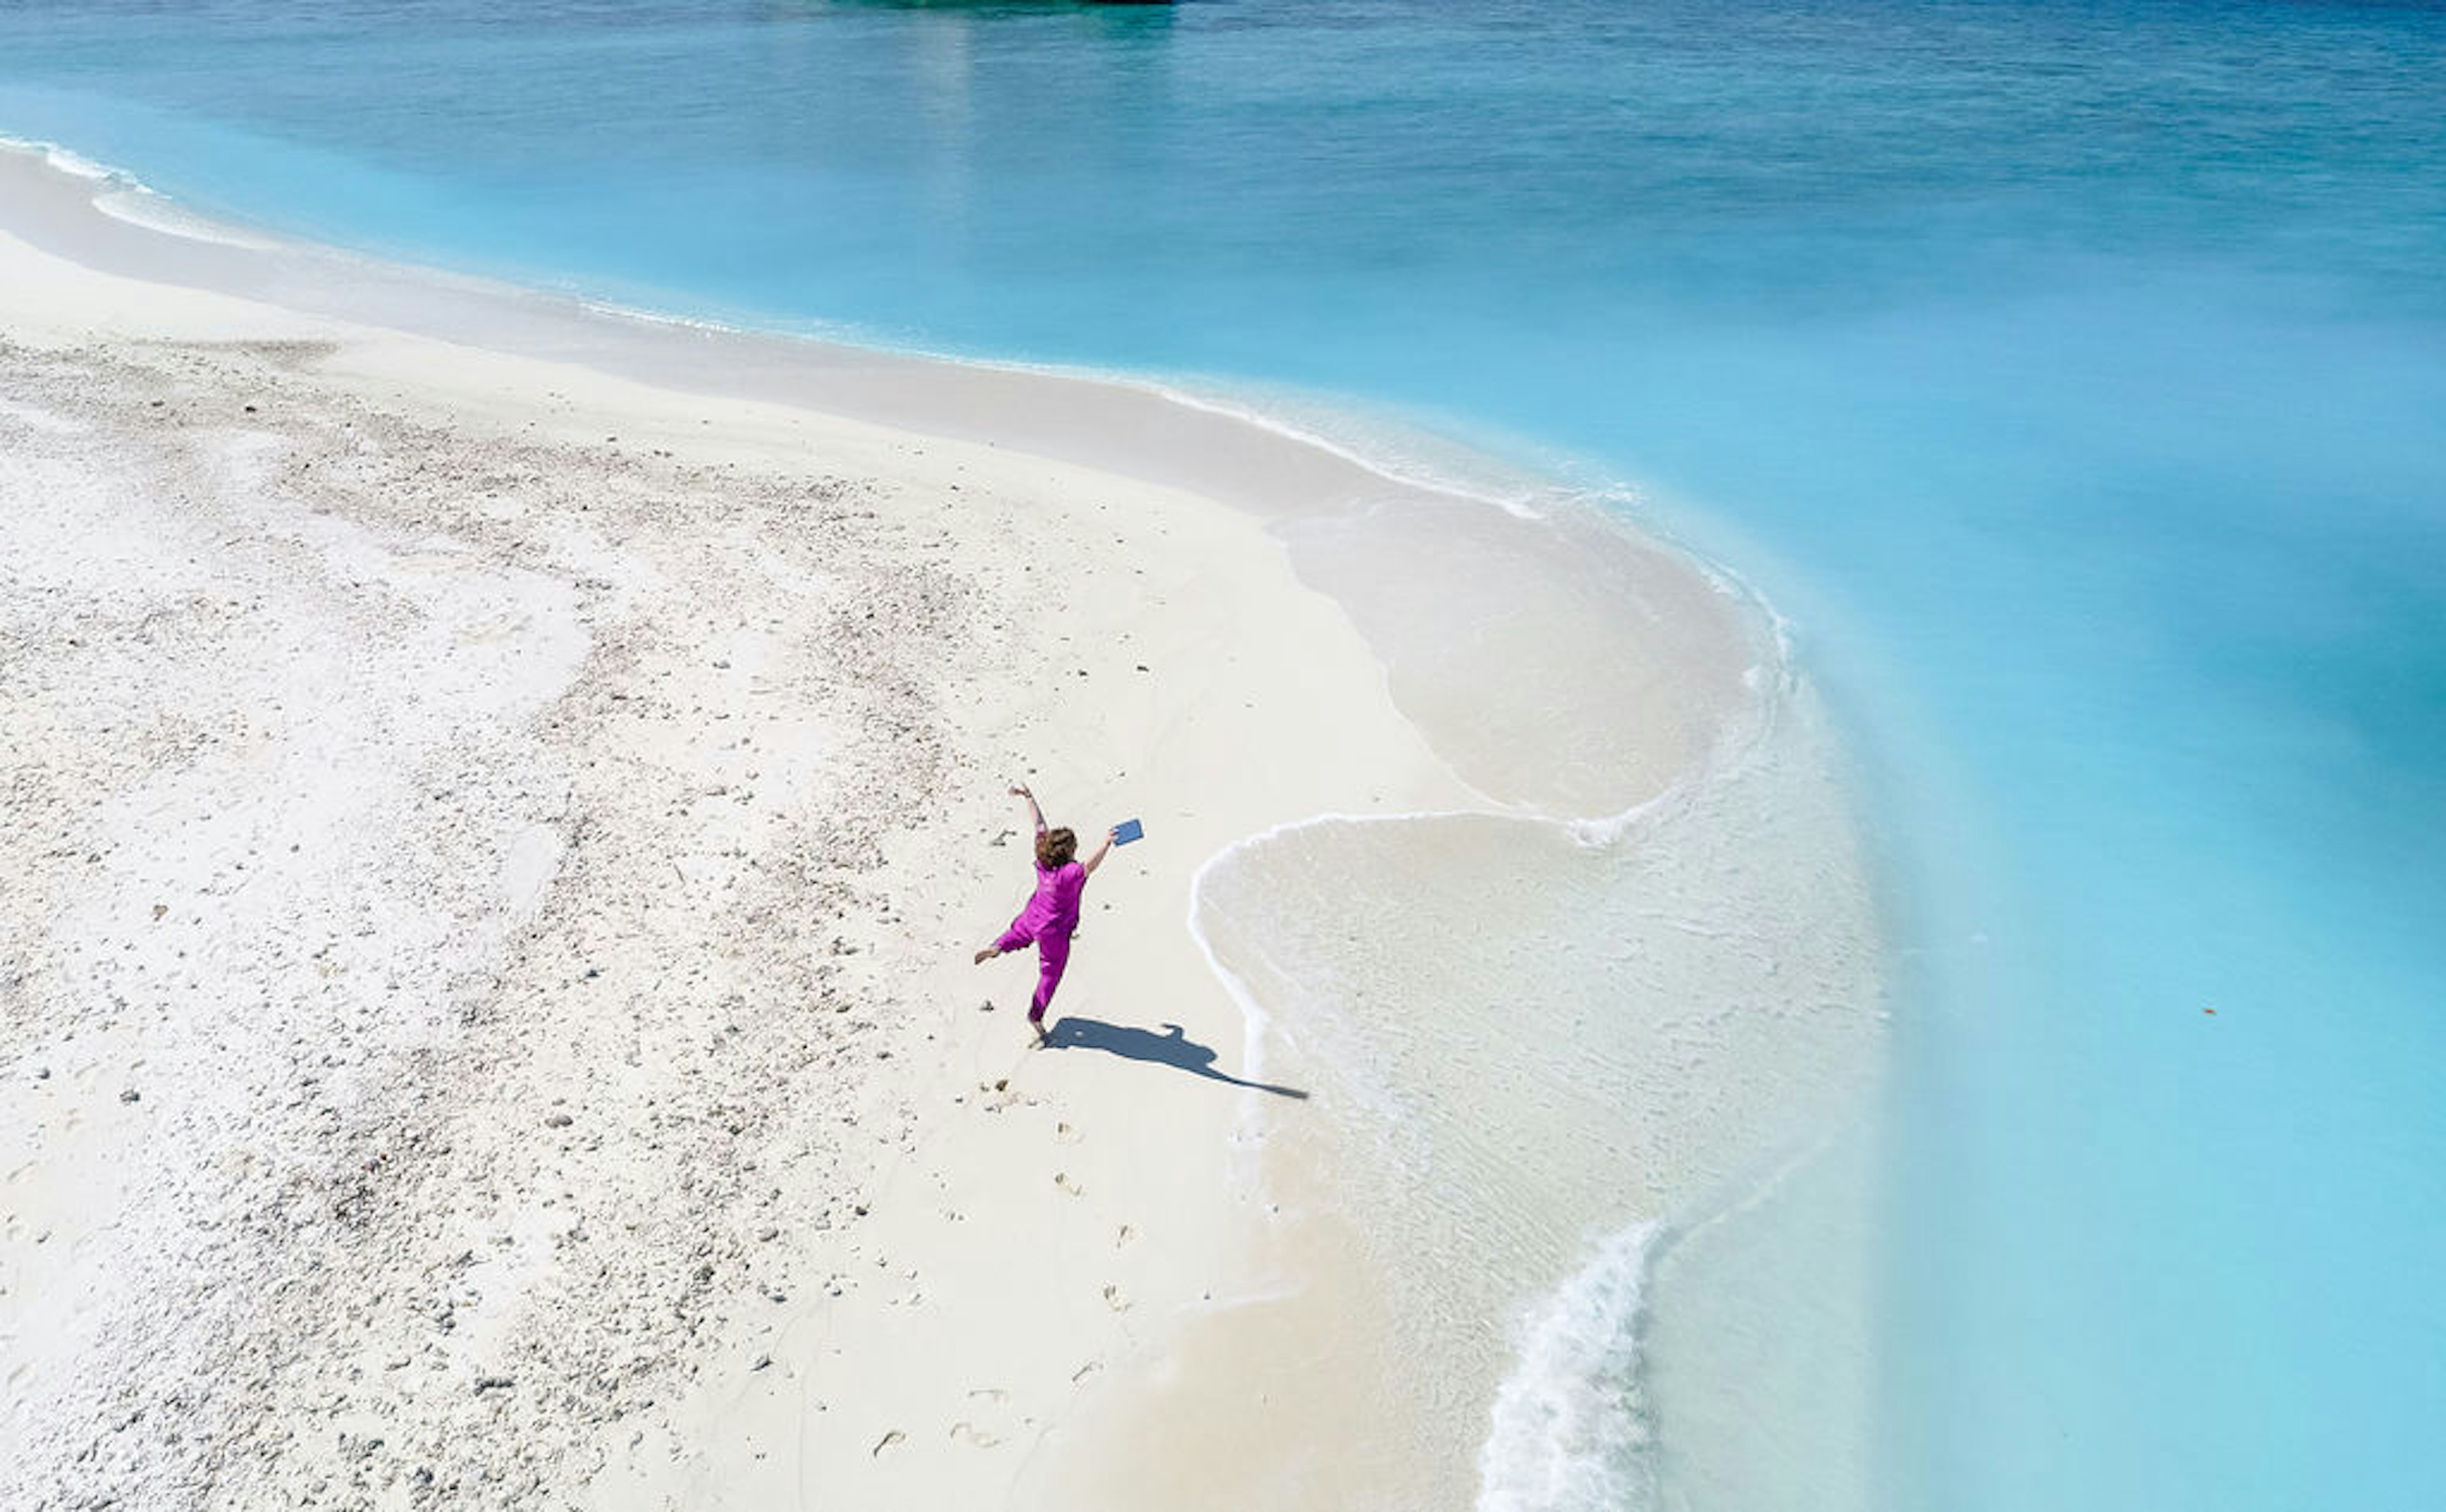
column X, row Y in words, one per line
column 2073, row 374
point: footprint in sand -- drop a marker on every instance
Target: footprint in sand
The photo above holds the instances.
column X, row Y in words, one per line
column 1122, row 1238
column 970, row 1433
column 1065, row 1135
column 485, row 629
column 989, row 1394
column 1064, row 1182
column 1114, row 1299
column 886, row 1441
column 1086, row 1371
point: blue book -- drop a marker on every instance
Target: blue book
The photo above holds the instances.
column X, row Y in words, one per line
column 1127, row 831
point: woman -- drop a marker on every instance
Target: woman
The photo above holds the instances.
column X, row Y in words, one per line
column 1052, row 915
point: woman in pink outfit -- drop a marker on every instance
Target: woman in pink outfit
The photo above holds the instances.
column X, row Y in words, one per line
column 1050, row 917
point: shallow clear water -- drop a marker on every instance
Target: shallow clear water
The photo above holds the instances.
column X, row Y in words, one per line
column 2073, row 373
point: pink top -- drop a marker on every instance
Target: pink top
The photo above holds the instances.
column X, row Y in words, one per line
column 1055, row 908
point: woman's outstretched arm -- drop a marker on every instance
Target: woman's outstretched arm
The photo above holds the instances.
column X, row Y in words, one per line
column 1018, row 790
column 1102, row 851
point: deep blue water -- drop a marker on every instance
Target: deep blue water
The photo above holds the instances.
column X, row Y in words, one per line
column 2074, row 373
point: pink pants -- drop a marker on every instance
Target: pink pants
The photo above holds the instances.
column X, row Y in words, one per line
column 1052, row 954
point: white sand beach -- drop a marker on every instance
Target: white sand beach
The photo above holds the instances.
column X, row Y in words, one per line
column 494, row 848
column 488, row 911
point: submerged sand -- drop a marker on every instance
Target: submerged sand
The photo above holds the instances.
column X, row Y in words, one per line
column 496, row 830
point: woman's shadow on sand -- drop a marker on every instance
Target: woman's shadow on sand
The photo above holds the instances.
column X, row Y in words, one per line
column 1172, row 1048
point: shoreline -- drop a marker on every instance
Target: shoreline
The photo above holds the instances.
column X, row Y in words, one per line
column 1294, row 482
column 165, row 218
column 1426, row 722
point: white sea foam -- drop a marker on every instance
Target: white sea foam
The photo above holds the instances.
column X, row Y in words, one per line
column 1570, row 1429
column 1403, row 473
column 65, row 161
column 615, row 310
column 125, row 197
column 1253, row 1018
column 139, row 206
column 1378, row 459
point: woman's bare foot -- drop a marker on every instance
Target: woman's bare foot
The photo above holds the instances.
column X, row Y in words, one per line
column 986, row 954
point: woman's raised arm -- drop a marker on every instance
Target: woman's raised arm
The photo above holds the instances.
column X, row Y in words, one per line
column 1018, row 790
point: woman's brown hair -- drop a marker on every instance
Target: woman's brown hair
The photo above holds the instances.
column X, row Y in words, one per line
column 1053, row 849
